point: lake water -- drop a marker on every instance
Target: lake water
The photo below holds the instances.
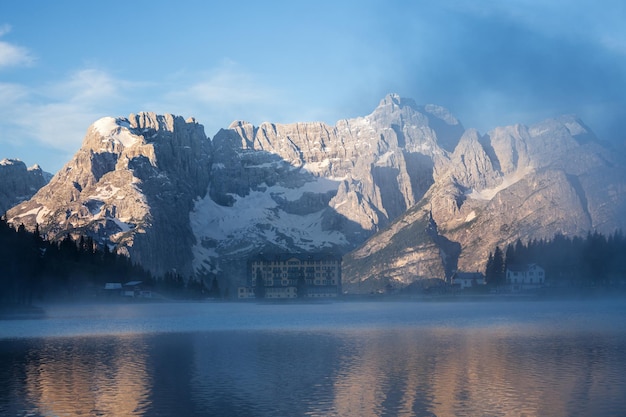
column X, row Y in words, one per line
column 494, row 358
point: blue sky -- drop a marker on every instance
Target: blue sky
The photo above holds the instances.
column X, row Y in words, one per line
column 64, row 64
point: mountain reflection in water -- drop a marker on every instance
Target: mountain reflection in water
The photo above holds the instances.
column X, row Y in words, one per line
column 96, row 376
column 508, row 367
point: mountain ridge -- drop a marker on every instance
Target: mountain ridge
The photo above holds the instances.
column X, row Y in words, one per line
column 406, row 192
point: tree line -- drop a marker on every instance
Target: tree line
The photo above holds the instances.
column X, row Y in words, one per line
column 32, row 268
column 594, row 260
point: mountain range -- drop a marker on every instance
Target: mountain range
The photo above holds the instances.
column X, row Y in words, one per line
column 405, row 193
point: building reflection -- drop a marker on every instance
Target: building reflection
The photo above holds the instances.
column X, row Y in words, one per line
column 89, row 376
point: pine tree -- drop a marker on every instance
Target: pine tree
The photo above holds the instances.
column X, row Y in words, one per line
column 494, row 272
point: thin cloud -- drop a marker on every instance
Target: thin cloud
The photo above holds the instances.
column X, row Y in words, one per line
column 492, row 62
column 57, row 115
column 601, row 26
column 216, row 98
column 13, row 55
column 88, row 86
column 228, row 84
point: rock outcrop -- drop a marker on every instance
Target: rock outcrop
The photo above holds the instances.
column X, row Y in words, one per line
column 130, row 186
column 19, row 183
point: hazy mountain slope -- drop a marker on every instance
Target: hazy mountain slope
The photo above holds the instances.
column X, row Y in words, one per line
column 19, row 183
column 516, row 182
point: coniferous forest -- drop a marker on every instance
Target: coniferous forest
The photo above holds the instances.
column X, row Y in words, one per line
column 33, row 269
column 592, row 261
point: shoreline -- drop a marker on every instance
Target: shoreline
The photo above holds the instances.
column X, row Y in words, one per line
column 21, row 311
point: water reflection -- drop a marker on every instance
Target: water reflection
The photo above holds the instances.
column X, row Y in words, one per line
column 511, row 367
column 92, row 376
column 266, row 373
column 482, row 372
column 420, row 372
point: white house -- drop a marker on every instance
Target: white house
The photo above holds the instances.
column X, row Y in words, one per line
column 468, row 279
column 525, row 277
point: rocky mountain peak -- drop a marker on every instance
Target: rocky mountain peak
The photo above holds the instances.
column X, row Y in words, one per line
column 394, row 109
column 238, row 123
column 395, row 100
column 114, row 187
column 18, row 182
column 430, row 123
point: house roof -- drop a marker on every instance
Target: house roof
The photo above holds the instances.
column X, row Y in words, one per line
column 522, row 267
column 113, row 286
column 282, row 257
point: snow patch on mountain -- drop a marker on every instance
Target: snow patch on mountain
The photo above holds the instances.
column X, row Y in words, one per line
column 106, row 192
column 124, row 227
column 221, row 223
column 257, row 218
column 31, row 212
column 116, row 130
column 488, row 194
column 42, row 214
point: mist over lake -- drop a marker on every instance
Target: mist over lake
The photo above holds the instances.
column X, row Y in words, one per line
column 500, row 358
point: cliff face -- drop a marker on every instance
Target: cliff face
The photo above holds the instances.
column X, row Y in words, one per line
column 405, row 192
column 516, row 182
column 384, row 162
column 19, row 183
column 131, row 185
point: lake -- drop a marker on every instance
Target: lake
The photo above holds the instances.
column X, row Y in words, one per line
column 378, row 358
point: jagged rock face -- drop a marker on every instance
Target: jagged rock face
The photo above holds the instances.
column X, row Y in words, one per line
column 131, row 185
column 19, row 183
column 418, row 195
column 312, row 187
column 258, row 202
column 516, row 182
column 383, row 163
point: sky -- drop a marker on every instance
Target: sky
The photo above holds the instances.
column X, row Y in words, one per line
column 65, row 64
